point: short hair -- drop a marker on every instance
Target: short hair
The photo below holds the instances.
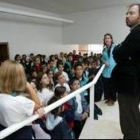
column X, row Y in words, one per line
column 31, row 54
column 12, row 77
column 77, row 65
column 135, row 4
column 57, row 74
column 59, row 62
column 59, row 91
column 72, row 80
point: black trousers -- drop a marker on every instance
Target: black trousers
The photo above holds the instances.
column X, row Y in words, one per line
column 109, row 90
column 78, row 126
column 23, row 133
column 129, row 115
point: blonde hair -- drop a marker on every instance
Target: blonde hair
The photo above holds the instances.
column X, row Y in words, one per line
column 12, row 77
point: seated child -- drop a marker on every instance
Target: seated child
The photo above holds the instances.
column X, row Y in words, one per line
column 61, row 81
column 81, row 107
column 68, row 112
column 57, row 125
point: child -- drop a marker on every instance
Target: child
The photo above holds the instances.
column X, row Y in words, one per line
column 99, row 85
column 56, row 124
column 68, row 66
column 38, row 66
column 45, row 92
column 61, row 82
column 68, row 112
column 81, row 107
column 61, row 69
column 83, row 80
column 39, row 128
column 50, row 74
column 39, row 132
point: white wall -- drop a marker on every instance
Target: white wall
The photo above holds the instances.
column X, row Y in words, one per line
column 26, row 35
column 89, row 27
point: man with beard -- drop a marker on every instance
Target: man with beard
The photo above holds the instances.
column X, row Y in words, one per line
column 126, row 76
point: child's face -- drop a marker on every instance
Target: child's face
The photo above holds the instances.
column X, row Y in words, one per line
column 51, row 64
column 44, row 80
column 37, row 60
column 45, row 69
column 50, row 74
column 61, row 79
column 61, row 68
column 79, row 71
column 85, row 66
column 34, row 74
column 48, row 66
column 70, row 58
column 94, row 65
column 75, row 85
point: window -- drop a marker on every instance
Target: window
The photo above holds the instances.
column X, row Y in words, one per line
column 95, row 48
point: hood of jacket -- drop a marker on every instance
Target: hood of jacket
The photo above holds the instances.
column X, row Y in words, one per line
column 52, row 121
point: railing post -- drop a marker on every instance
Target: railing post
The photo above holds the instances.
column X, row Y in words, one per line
column 92, row 103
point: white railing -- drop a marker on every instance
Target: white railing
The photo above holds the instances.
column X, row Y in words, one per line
column 11, row 129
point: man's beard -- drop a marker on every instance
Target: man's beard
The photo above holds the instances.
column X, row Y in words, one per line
column 129, row 24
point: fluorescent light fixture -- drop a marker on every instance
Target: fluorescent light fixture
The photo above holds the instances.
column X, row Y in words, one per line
column 29, row 14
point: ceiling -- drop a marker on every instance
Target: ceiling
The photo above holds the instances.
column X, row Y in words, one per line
column 63, row 7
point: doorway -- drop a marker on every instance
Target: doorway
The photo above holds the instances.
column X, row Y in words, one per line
column 4, row 51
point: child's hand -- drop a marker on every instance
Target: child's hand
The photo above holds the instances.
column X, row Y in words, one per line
column 40, row 111
column 84, row 116
column 62, row 108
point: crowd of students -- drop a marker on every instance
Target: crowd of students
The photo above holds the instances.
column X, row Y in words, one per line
column 51, row 80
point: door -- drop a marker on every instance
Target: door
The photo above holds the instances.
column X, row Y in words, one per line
column 4, row 52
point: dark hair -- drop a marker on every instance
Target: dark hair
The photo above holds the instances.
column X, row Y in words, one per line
column 31, row 54
column 86, row 62
column 135, row 4
column 109, row 50
column 48, row 71
column 77, row 65
column 39, row 86
column 16, row 56
column 108, row 34
column 59, row 91
column 73, row 80
column 51, row 101
column 59, row 62
column 51, row 56
column 57, row 74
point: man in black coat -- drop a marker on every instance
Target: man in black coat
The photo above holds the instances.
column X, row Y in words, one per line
column 126, row 76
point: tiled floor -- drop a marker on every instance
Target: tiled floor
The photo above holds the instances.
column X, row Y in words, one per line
column 107, row 127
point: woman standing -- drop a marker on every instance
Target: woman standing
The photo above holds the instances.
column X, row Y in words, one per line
column 107, row 59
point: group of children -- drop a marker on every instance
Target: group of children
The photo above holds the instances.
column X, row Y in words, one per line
column 50, row 82
column 67, row 120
